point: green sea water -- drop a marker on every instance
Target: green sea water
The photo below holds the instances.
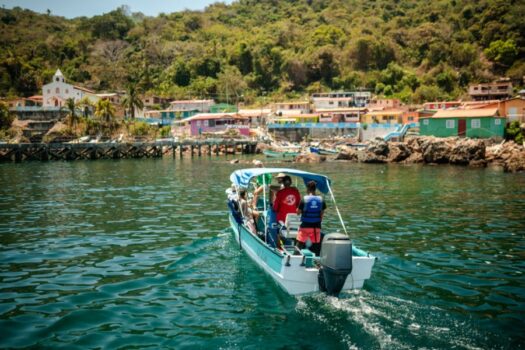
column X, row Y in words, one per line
column 137, row 254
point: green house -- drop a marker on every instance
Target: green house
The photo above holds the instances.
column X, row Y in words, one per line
column 473, row 123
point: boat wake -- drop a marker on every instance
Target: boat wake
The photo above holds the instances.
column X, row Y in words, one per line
column 363, row 320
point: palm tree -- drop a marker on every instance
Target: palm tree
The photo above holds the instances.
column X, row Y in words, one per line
column 105, row 111
column 86, row 106
column 132, row 101
column 71, row 112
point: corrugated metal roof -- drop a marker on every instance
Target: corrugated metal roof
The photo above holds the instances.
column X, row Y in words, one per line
column 467, row 113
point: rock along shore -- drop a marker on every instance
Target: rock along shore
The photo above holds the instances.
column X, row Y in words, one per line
column 432, row 150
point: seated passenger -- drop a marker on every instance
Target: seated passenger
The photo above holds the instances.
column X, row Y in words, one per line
column 261, row 181
column 250, row 216
column 311, row 210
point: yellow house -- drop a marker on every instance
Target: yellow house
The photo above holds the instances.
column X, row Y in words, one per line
column 392, row 116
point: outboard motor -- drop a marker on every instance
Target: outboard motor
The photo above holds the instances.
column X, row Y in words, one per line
column 336, row 262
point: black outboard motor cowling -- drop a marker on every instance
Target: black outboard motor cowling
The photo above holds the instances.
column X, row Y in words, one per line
column 336, row 262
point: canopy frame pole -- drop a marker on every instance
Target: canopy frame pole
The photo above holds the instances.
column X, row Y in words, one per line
column 336, row 208
column 265, row 211
column 237, row 190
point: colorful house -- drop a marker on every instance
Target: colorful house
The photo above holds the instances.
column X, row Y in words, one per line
column 384, row 103
column 513, row 109
column 341, row 115
column 498, row 90
column 474, row 123
column 293, row 107
column 441, row 105
column 296, row 118
column 202, row 106
column 388, row 116
column 212, row 122
column 410, row 117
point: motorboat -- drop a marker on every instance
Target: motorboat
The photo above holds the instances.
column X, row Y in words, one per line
column 280, row 154
column 272, row 246
column 323, row 151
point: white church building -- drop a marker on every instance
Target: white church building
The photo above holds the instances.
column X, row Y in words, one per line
column 58, row 91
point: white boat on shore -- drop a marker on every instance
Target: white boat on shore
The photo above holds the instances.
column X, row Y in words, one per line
column 340, row 266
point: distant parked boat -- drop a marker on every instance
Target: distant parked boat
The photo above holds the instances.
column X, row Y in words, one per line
column 323, row 151
column 280, row 154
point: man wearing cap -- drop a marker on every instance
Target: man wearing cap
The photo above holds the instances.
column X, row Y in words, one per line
column 287, row 198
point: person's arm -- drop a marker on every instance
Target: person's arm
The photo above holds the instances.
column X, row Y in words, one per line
column 300, row 207
column 276, row 202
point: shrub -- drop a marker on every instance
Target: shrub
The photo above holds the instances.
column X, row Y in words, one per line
column 514, row 132
column 165, row 131
column 140, row 129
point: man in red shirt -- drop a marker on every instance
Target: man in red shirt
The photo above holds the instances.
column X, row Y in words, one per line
column 286, row 200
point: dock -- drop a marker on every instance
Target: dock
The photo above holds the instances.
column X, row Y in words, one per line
column 20, row 152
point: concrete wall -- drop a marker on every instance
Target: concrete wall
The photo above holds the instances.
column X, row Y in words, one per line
column 377, row 130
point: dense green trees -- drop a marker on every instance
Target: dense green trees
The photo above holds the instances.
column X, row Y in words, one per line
column 411, row 50
column 6, row 118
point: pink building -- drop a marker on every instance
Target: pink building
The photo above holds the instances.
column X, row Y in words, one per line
column 212, row 122
column 441, row 105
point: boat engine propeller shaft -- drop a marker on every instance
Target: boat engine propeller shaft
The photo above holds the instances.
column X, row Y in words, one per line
column 336, row 263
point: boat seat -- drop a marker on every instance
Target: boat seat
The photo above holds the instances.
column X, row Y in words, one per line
column 292, row 223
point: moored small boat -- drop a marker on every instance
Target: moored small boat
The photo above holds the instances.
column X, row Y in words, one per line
column 323, row 151
column 280, row 154
column 340, row 265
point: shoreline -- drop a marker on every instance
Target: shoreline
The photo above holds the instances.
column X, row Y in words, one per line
column 431, row 150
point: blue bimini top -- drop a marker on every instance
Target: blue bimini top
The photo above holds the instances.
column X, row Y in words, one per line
column 242, row 177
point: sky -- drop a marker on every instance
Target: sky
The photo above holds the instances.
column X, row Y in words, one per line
column 76, row 8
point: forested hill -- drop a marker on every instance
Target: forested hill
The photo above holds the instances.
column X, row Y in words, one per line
column 414, row 50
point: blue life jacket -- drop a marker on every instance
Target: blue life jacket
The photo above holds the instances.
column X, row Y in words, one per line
column 313, row 206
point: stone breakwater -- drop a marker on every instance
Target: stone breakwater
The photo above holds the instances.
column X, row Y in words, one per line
column 433, row 150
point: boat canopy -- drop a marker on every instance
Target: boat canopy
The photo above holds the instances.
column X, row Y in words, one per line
column 242, row 177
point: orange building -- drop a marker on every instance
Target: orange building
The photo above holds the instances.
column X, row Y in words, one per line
column 410, row 117
column 513, row 109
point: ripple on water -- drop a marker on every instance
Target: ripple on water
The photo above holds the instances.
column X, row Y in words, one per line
column 134, row 254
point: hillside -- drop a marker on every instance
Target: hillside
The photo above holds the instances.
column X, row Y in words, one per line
column 414, row 50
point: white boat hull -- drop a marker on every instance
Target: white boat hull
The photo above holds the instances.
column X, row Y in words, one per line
column 287, row 270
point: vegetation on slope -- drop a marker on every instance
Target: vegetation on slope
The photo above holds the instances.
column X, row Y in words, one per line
column 414, row 50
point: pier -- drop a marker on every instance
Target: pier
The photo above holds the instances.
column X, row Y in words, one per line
column 108, row 150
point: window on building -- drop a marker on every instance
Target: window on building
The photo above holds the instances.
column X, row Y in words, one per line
column 497, row 121
column 67, row 91
column 57, row 79
column 450, row 124
column 475, row 123
column 211, row 123
column 410, row 119
column 57, row 90
column 425, row 121
column 48, row 91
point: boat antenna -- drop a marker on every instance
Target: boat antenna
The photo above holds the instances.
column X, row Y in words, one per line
column 336, row 208
column 265, row 211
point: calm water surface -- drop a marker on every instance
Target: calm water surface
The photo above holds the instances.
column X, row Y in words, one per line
column 137, row 254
